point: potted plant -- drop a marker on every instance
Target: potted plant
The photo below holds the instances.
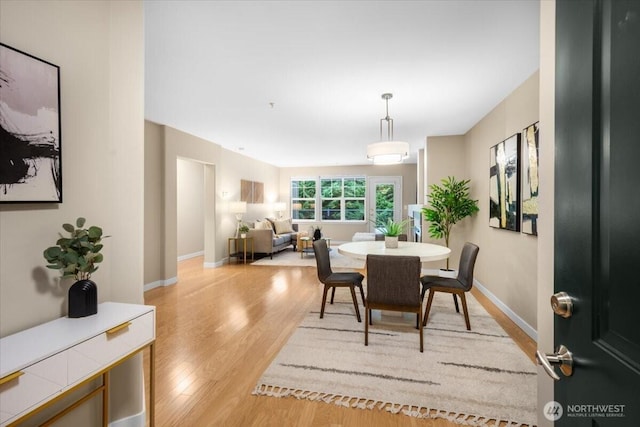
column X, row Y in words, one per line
column 316, row 232
column 76, row 256
column 243, row 229
column 449, row 204
column 391, row 230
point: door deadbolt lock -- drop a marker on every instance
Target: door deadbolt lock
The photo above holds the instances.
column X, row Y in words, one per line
column 562, row 357
column 562, row 304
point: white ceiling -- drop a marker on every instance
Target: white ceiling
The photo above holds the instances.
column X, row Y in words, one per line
column 213, row 68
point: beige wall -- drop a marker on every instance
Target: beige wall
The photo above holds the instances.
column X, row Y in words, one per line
column 99, row 48
column 153, row 203
column 546, row 204
column 445, row 156
column 190, row 199
column 223, row 170
column 343, row 231
column 507, row 262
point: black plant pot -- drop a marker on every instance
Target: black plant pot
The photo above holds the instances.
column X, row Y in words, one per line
column 83, row 299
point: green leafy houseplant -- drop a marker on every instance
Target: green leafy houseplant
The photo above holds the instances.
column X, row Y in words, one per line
column 392, row 228
column 244, row 228
column 76, row 255
column 449, row 204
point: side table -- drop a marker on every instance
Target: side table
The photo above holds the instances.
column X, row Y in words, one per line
column 237, row 251
column 306, row 244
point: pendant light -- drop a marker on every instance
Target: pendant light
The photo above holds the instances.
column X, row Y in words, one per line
column 387, row 152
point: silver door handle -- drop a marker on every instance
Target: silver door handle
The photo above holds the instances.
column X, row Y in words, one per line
column 562, row 304
column 562, row 357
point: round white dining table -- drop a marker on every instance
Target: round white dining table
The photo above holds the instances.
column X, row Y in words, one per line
column 426, row 251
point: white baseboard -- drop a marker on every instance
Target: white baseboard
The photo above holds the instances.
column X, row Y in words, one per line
column 215, row 264
column 159, row 283
column 501, row 306
column 189, row 256
column 137, row 420
column 528, row 329
column 174, row 280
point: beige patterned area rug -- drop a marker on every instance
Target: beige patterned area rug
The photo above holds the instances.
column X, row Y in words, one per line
column 478, row 377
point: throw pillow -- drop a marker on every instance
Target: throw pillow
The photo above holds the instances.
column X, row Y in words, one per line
column 263, row 225
column 283, row 226
column 272, row 222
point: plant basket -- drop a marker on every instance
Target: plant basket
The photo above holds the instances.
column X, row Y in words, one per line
column 391, row 242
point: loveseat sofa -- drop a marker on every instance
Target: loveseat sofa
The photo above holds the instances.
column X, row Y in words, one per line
column 271, row 236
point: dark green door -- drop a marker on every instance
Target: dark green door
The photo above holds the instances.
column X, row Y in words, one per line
column 597, row 210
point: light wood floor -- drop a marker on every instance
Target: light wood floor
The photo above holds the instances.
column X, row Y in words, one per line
column 218, row 330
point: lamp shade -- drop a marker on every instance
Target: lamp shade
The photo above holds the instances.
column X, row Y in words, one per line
column 388, row 152
column 279, row 206
column 238, row 207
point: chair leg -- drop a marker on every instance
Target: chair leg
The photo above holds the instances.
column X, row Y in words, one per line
column 361, row 293
column 333, row 293
column 355, row 303
column 428, row 309
column 370, row 317
column 324, row 300
column 421, row 329
column 367, row 314
column 466, row 312
column 455, row 301
column 422, row 292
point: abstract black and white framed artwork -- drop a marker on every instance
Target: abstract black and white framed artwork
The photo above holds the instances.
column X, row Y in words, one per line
column 530, row 170
column 30, row 144
column 504, row 184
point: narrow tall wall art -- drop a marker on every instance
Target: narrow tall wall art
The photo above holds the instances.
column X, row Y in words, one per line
column 504, row 184
column 530, row 146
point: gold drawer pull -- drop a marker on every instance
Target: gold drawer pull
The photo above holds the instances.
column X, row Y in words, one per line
column 118, row 328
column 11, row 377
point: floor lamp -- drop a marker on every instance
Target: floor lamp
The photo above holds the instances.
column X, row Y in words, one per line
column 238, row 208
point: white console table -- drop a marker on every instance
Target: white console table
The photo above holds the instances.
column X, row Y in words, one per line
column 40, row 365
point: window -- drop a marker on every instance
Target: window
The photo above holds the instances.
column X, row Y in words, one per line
column 303, row 199
column 339, row 198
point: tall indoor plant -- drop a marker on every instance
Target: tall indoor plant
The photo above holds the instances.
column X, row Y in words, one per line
column 76, row 256
column 449, row 204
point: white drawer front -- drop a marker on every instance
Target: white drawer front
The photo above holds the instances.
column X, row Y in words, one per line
column 40, row 382
column 96, row 353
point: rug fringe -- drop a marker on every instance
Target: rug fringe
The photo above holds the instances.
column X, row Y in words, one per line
column 395, row 408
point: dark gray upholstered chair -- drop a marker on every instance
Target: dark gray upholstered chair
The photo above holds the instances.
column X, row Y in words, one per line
column 458, row 286
column 401, row 237
column 393, row 283
column 333, row 280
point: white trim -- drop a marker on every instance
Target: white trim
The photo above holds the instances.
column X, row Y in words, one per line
column 137, row 420
column 215, row 264
column 501, row 306
column 159, row 283
column 189, row 256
